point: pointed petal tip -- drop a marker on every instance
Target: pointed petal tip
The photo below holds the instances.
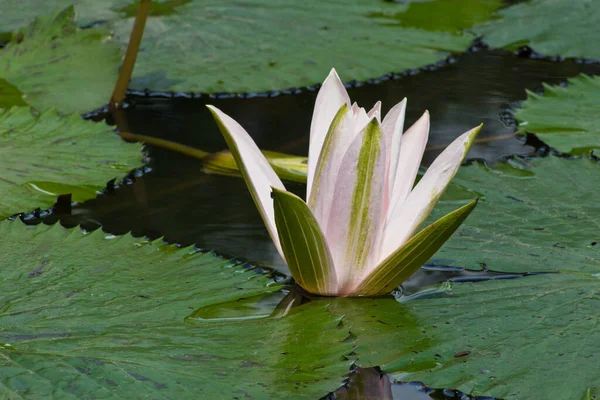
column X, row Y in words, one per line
column 333, row 75
column 472, row 135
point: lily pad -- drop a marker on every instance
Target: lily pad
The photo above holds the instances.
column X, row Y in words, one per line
column 10, row 95
column 550, row 27
column 443, row 15
column 22, row 12
column 43, row 156
column 564, row 117
column 56, row 64
column 95, row 315
column 533, row 216
column 528, row 338
column 215, row 46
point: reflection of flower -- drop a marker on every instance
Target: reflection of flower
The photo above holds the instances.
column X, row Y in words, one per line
column 355, row 235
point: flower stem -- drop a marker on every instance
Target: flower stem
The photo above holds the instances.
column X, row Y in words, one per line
column 132, row 50
column 166, row 144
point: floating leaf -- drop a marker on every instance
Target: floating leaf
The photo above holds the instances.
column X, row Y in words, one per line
column 10, row 95
column 90, row 315
column 510, row 339
column 443, row 15
column 56, row 64
column 550, row 27
column 216, row 46
column 538, row 215
column 564, row 117
column 22, row 12
column 44, row 156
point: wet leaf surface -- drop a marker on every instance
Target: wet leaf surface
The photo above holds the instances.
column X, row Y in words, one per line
column 550, row 27
column 43, row 156
column 212, row 46
column 88, row 11
column 527, row 338
column 442, row 15
column 49, row 62
column 10, row 95
column 564, row 117
column 91, row 315
column 533, row 216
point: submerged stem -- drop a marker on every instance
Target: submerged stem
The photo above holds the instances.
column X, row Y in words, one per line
column 166, row 144
column 132, row 50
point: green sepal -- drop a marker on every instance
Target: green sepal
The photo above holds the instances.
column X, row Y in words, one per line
column 405, row 261
column 303, row 243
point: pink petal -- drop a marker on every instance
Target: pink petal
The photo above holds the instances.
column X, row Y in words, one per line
column 255, row 169
column 361, row 119
column 375, row 112
column 337, row 142
column 406, row 217
column 393, row 126
column 392, row 134
column 331, row 97
column 356, row 208
column 414, row 141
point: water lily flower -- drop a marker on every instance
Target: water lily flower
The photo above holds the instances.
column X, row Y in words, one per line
column 356, row 234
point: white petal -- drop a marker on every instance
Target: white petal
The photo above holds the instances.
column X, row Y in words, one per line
column 406, row 217
column 414, row 141
column 255, row 169
column 375, row 112
column 361, row 119
column 393, row 126
column 331, row 97
column 337, row 142
column 392, row 133
column 356, row 209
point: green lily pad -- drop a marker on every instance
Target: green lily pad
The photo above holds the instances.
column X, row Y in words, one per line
column 533, row 216
column 10, row 95
column 528, row 338
column 212, row 46
column 43, row 156
column 550, row 27
column 443, row 15
column 56, row 64
column 22, row 12
column 91, row 316
column 564, row 117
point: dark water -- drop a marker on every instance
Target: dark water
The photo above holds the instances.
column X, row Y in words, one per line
column 371, row 384
column 176, row 200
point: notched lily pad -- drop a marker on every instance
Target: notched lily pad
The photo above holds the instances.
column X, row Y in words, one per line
column 90, row 315
column 216, row 46
column 43, row 156
column 564, row 117
column 56, row 64
column 550, row 27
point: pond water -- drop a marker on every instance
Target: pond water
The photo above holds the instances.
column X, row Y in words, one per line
column 176, row 200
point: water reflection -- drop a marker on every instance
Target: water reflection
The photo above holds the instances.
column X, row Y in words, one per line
column 177, row 201
column 372, row 384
